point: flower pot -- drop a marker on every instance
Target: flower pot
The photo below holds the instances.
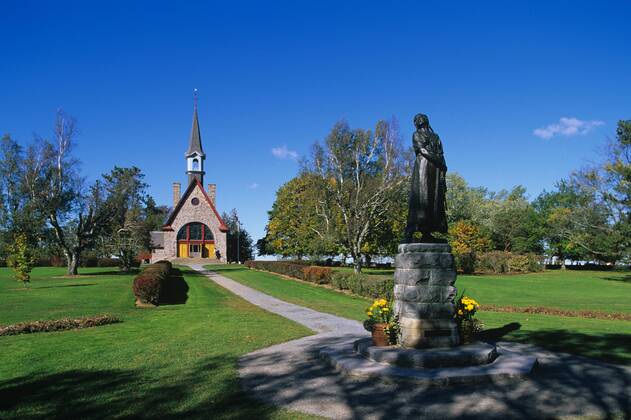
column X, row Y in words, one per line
column 379, row 336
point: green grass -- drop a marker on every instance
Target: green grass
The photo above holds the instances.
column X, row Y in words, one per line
column 569, row 290
column 175, row 361
column 562, row 289
column 603, row 339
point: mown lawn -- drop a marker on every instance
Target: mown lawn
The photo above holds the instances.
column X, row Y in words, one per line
column 604, row 339
column 563, row 289
column 174, row 361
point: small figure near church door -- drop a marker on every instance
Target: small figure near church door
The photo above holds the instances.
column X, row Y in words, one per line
column 427, row 204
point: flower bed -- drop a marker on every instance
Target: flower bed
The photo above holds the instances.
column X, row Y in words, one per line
column 58, row 325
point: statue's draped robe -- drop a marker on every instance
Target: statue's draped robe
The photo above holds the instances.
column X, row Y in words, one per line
column 428, row 191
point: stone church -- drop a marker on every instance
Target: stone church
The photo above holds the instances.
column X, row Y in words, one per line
column 193, row 228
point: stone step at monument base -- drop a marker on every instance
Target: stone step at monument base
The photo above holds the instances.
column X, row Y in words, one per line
column 474, row 354
column 506, row 367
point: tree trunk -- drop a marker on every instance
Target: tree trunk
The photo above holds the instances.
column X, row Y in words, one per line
column 73, row 264
column 357, row 264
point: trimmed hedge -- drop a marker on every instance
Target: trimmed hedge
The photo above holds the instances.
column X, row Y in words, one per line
column 290, row 269
column 372, row 286
column 58, row 325
column 149, row 284
column 319, row 275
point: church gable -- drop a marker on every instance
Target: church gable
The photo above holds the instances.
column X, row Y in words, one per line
column 194, row 228
column 195, row 206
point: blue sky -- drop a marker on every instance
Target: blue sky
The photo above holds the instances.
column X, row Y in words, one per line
column 277, row 76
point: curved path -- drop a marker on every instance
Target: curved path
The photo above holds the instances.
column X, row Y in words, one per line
column 290, row 375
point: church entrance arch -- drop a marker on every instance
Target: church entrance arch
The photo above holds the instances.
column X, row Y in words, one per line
column 195, row 240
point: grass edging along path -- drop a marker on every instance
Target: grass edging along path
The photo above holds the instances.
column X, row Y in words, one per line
column 608, row 340
column 165, row 362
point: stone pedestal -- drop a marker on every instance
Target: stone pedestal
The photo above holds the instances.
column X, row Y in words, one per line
column 424, row 295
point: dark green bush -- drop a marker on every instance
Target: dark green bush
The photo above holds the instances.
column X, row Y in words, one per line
column 149, row 284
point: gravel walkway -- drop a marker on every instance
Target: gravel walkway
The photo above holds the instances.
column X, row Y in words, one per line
column 290, row 375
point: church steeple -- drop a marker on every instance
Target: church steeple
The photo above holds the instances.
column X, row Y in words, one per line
column 195, row 155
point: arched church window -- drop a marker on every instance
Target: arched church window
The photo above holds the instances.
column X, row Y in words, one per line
column 195, row 164
column 208, row 235
column 193, row 232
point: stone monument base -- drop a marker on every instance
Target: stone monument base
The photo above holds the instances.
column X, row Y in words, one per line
column 424, row 295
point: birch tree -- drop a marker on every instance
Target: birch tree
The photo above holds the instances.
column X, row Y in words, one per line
column 75, row 214
column 358, row 170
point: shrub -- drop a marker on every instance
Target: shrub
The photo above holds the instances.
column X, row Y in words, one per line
column 493, row 262
column 58, row 325
column 506, row 262
column 175, row 289
column 371, row 286
column 290, row 269
column 465, row 262
column 108, row 262
column 147, row 289
column 148, row 285
column 22, row 259
column 90, row 260
column 57, row 261
column 319, row 275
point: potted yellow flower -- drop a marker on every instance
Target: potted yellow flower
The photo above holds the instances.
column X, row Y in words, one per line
column 468, row 326
column 382, row 323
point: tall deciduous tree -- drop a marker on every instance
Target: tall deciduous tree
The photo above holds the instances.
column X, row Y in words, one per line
column 609, row 185
column 17, row 215
column 76, row 214
column 295, row 227
column 465, row 202
column 467, row 240
column 513, row 223
column 358, row 171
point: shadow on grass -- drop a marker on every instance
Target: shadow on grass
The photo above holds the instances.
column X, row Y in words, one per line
column 66, row 285
column 624, row 279
column 495, row 334
column 131, row 272
column 129, row 394
column 175, row 291
column 227, row 268
column 614, row 348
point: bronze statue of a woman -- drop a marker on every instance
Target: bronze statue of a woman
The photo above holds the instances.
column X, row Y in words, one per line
column 427, row 205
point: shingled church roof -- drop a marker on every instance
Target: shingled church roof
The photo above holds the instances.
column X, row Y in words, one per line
column 195, row 143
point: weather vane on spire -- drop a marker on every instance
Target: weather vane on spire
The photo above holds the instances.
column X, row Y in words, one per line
column 195, row 97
